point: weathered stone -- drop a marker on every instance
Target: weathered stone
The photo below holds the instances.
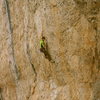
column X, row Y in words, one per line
column 72, row 32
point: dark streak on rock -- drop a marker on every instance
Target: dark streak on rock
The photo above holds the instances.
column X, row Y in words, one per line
column 28, row 53
column 11, row 46
column 96, row 52
column 29, row 57
column 1, row 97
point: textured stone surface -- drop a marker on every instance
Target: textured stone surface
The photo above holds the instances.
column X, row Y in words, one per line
column 72, row 31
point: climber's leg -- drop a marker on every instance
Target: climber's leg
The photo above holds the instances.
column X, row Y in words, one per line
column 46, row 54
column 42, row 50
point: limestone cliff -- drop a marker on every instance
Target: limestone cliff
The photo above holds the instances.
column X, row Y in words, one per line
column 72, row 32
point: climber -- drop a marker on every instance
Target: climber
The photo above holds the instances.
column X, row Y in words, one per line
column 44, row 49
column 42, row 44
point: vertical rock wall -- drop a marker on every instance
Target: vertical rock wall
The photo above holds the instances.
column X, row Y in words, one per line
column 72, row 31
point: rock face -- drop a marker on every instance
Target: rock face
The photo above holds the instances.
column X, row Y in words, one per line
column 72, row 32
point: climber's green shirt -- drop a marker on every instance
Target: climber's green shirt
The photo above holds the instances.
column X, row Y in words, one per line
column 42, row 44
